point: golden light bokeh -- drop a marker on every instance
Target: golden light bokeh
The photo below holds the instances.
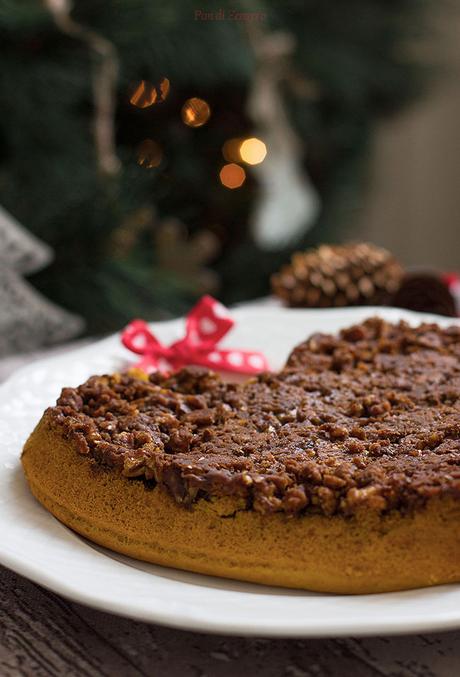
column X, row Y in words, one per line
column 149, row 154
column 231, row 150
column 146, row 94
column 164, row 88
column 253, row 151
column 232, row 175
column 195, row 112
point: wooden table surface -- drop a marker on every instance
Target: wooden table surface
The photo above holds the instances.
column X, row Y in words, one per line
column 42, row 634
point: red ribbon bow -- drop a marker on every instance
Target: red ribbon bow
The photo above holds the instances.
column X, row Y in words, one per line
column 206, row 324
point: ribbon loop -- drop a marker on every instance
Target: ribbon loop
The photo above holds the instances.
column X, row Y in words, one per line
column 206, row 324
column 139, row 339
column 209, row 320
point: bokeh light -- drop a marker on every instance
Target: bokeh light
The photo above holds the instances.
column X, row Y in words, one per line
column 232, row 175
column 195, row 112
column 149, row 154
column 146, row 94
column 231, row 150
column 253, row 151
column 164, row 88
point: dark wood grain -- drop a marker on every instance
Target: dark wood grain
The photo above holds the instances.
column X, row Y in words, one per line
column 41, row 634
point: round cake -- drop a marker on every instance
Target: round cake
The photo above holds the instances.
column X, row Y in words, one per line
column 340, row 473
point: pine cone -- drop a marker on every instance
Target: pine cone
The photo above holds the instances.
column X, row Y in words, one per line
column 338, row 275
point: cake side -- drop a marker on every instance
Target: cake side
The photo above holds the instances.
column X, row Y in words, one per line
column 363, row 553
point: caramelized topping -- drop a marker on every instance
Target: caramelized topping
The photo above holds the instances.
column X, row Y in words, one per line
column 366, row 419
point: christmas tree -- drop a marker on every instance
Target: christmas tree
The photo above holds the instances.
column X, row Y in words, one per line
column 163, row 150
column 27, row 320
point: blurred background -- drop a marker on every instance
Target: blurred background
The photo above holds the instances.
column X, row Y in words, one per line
column 154, row 152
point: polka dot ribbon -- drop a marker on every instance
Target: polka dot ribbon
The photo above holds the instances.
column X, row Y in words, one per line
column 206, row 324
column 452, row 280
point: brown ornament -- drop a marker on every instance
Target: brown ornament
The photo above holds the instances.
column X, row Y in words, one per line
column 425, row 292
column 338, row 275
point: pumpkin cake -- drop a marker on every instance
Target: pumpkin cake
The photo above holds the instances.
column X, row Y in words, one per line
column 340, row 473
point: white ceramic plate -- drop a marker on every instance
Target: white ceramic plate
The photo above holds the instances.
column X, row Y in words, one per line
column 36, row 545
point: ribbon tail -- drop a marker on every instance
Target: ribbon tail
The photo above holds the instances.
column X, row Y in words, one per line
column 238, row 361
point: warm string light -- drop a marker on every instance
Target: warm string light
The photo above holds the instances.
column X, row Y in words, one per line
column 232, row 176
column 231, row 150
column 195, row 112
column 253, row 151
column 149, row 154
column 146, row 94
